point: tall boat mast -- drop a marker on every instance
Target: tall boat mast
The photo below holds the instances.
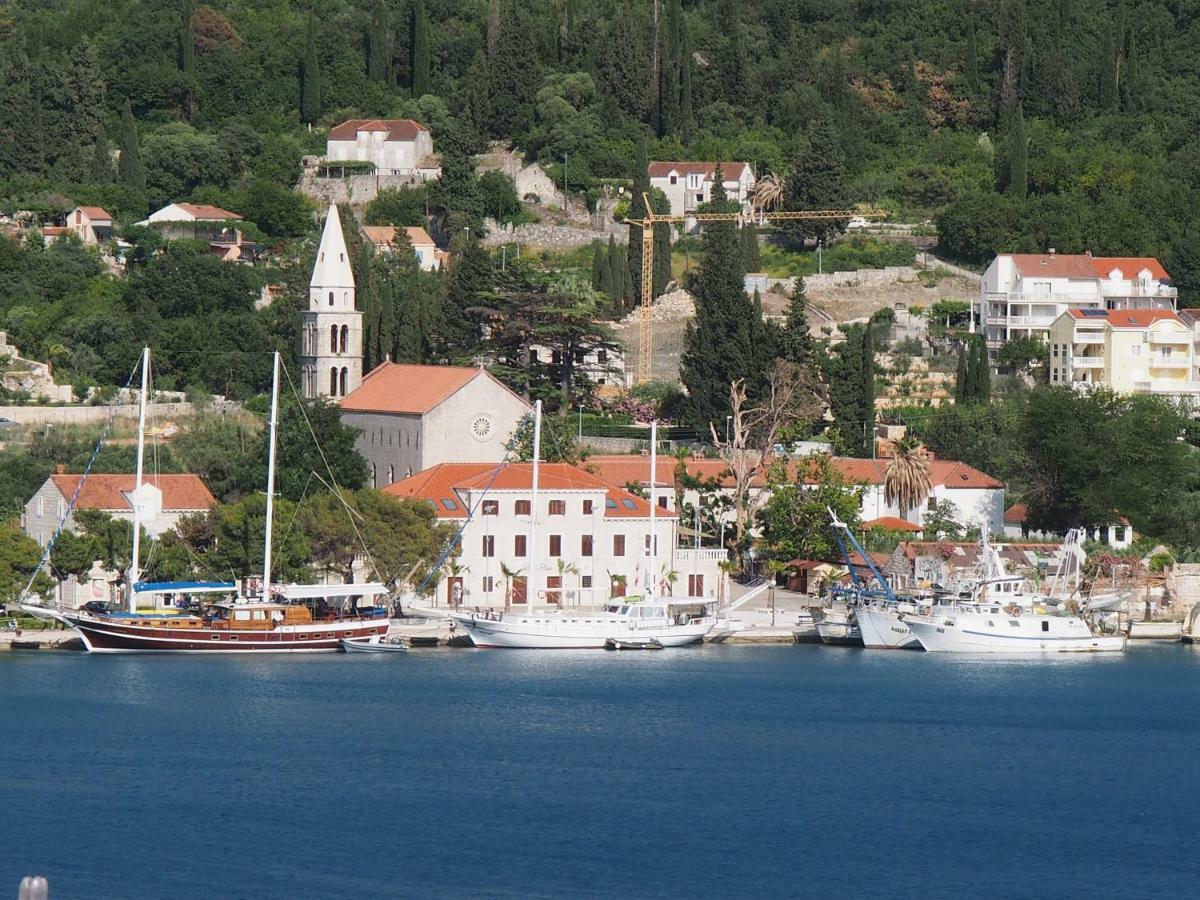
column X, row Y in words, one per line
column 273, row 426
column 135, row 564
column 530, row 587
column 653, row 549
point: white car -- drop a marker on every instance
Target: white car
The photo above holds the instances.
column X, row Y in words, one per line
column 858, row 222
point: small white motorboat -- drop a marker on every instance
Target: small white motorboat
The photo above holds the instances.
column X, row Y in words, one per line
column 386, row 645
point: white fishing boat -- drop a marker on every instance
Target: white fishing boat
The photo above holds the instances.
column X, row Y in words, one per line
column 995, row 629
column 671, row 621
column 374, row 645
column 837, row 626
column 882, row 627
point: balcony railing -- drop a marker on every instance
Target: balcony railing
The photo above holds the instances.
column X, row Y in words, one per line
column 1083, row 337
column 1174, row 337
column 1087, row 362
column 1170, row 362
column 1176, row 387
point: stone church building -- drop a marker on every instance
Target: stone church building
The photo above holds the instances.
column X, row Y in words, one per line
column 331, row 333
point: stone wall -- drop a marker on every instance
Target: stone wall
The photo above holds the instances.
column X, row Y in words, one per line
column 858, row 278
column 537, row 234
column 355, row 190
column 90, row 415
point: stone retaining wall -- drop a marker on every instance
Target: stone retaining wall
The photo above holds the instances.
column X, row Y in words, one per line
column 562, row 237
column 858, row 278
column 91, row 415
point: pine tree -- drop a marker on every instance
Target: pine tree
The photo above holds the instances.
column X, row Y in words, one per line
column 1018, row 173
column 798, row 344
column 101, row 170
column 187, row 41
column 599, row 266
column 687, row 118
column 845, row 378
column 668, row 99
column 420, row 50
column 719, row 347
column 960, row 377
column 377, row 44
column 310, row 76
column 637, row 210
column 866, row 389
column 817, row 181
column 972, row 62
column 751, row 259
column 131, row 170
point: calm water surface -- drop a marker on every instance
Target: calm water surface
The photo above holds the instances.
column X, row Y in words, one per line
column 724, row 772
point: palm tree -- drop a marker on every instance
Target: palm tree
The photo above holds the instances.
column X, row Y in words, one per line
column 906, row 481
column 509, row 575
column 767, row 193
column 455, row 569
column 668, row 577
column 565, row 568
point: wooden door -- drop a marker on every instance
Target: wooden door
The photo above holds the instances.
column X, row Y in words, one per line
column 554, row 589
column 695, row 585
column 520, row 586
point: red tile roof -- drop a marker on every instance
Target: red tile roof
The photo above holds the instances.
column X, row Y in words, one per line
column 108, row 492
column 618, row 469
column 1054, row 265
column 1016, row 514
column 450, row 482
column 1129, row 266
column 892, row 523
column 380, row 235
column 205, row 213
column 397, row 129
column 1124, row 318
column 730, row 171
column 96, row 212
column 408, row 390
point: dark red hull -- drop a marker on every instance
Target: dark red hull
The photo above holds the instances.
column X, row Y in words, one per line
column 103, row 635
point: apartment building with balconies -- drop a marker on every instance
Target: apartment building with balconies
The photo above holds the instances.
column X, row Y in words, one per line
column 1138, row 351
column 1024, row 294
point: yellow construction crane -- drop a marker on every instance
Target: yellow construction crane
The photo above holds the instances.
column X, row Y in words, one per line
column 646, row 325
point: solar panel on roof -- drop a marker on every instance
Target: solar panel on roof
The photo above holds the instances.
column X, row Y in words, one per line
column 1095, row 313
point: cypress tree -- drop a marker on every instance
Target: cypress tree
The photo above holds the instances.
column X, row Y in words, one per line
column 867, row 391
column 687, row 119
column 668, row 99
column 420, row 50
column 845, row 389
column 187, row 41
column 310, row 76
column 377, row 44
column 817, row 181
column 101, row 172
column 960, row 377
column 719, row 347
column 629, row 292
column 637, row 210
column 130, row 169
column 1018, row 176
column 972, row 62
column 983, row 378
column 616, row 277
column 751, row 260
column 599, row 266
column 797, row 339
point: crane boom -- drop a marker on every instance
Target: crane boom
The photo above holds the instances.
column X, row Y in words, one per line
column 651, row 218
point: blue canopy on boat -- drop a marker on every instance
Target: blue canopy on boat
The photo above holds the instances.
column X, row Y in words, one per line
column 183, row 587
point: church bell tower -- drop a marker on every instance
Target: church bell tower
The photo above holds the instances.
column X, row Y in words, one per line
column 331, row 335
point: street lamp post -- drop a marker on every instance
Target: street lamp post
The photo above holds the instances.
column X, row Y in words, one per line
column 728, row 419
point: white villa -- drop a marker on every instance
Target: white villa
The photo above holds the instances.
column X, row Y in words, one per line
column 387, row 239
column 593, row 538
column 394, row 146
column 1022, row 294
column 688, row 184
column 191, row 220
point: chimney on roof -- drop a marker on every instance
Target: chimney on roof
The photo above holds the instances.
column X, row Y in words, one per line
column 1051, row 251
column 60, row 469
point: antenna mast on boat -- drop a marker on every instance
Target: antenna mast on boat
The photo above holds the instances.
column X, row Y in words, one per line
column 273, row 425
column 530, row 588
column 135, row 564
column 653, row 549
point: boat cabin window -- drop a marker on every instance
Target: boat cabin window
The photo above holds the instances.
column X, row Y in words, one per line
column 1014, row 623
column 241, row 615
column 624, row 610
column 1045, row 626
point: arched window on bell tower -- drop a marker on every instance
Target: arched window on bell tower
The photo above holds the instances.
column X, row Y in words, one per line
column 333, row 339
column 333, row 379
column 345, row 336
column 345, row 379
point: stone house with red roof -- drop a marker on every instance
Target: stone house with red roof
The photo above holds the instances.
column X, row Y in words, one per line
column 687, row 185
column 977, row 497
column 395, row 146
column 593, row 537
column 410, row 418
column 164, row 500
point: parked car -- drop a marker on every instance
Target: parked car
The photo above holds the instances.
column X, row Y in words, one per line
column 858, row 222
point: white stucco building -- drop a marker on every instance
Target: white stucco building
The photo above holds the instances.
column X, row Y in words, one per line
column 411, row 418
column 1022, row 294
column 164, row 500
column 593, row 539
column 387, row 239
column 331, row 338
column 689, row 184
column 394, row 146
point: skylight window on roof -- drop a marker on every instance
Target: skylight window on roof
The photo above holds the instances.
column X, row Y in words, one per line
column 448, row 503
column 628, row 504
column 1095, row 313
column 610, row 503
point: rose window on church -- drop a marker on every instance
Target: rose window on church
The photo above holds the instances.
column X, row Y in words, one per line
column 481, row 428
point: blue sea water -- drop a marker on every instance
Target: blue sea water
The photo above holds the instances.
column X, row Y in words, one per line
column 706, row 772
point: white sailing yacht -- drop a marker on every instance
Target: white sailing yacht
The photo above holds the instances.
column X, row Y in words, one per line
column 628, row 621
